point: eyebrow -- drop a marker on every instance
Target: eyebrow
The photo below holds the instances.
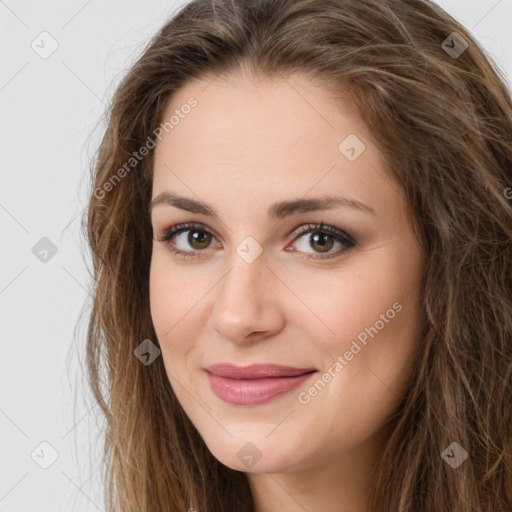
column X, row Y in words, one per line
column 277, row 211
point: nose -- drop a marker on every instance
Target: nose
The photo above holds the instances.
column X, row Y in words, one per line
column 246, row 304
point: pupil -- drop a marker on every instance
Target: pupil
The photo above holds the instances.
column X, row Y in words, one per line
column 198, row 237
column 322, row 240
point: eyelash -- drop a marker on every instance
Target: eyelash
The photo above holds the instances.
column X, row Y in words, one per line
column 337, row 234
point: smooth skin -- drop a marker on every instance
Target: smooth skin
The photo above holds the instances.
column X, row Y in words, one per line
column 246, row 145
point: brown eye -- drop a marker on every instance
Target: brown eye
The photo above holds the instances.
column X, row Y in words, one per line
column 321, row 242
column 321, row 239
column 187, row 240
column 199, row 239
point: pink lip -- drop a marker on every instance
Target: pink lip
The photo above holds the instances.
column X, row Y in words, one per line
column 255, row 384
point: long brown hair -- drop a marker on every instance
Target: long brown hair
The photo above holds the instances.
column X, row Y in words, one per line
column 443, row 122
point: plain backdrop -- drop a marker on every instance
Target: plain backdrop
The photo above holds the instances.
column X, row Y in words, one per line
column 50, row 109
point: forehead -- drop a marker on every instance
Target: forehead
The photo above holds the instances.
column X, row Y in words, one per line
column 267, row 139
column 234, row 106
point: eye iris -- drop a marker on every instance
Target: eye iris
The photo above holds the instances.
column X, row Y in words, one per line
column 200, row 237
column 323, row 240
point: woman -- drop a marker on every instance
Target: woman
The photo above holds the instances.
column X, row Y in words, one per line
column 301, row 237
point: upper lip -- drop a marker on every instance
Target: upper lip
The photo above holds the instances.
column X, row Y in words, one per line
column 255, row 371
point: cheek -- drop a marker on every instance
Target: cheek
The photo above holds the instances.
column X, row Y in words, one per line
column 366, row 379
column 376, row 350
column 161, row 295
column 343, row 302
column 391, row 353
column 168, row 306
column 172, row 295
column 370, row 324
column 177, row 311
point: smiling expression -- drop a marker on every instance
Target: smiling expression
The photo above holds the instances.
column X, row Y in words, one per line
column 247, row 178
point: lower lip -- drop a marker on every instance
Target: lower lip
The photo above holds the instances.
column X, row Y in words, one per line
column 254, row 391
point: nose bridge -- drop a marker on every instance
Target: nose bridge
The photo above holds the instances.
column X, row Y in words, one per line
column 242, row 284
column 242, row 301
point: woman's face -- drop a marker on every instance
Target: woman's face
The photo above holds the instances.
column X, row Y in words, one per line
column 253, row 165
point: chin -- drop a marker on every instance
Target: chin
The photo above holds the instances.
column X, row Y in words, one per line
column 259, row 456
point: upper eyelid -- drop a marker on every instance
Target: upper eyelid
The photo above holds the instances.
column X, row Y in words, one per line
column 187, row 226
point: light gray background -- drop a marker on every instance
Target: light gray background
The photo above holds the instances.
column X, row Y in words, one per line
column 51, row 110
